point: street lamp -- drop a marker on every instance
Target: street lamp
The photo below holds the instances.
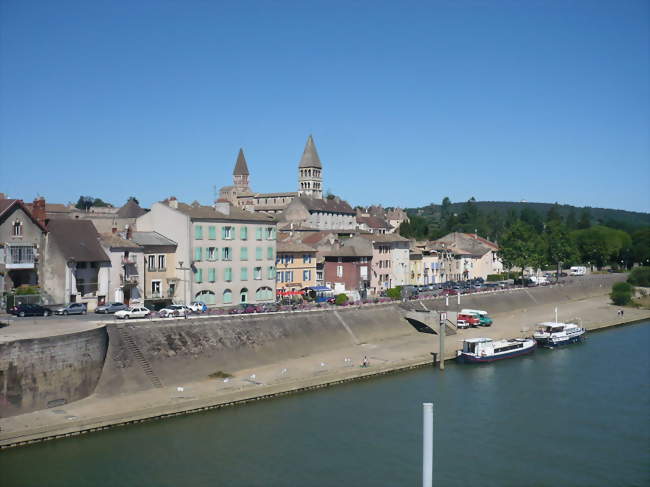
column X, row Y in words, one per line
column 185, row 286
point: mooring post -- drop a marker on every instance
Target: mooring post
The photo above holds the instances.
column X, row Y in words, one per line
column 443, row 332
column 427, row 444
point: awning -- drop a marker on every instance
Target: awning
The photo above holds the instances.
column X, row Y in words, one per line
column 282, row 292
column 318, row 288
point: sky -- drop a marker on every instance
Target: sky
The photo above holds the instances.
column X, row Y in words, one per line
column 408, row 102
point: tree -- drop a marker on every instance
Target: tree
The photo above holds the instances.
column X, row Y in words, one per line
column 559, row 247
column 100, row 203
column 585, row 219
column 84, row 202
column 532, row 218
column 521, row 246
column 622, row 293
column 599, row 245
column 553, row 214
column 641, row 246
column 571, row 221
column 445, row 209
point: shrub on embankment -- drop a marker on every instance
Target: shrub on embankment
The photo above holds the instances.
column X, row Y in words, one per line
column 622, row 293
column 503, row 276
column 640, row 276
column 394, row 292
column 341, row 299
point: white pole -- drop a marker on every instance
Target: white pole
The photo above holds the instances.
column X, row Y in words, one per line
column 427, row 444
column 556, row 314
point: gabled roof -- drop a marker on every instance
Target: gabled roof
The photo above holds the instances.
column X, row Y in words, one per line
column 374, row 222
column 7, row 206
column 328, row 205
column 152, row 238
column 115, row 241
column 130, row 210
column 293, row 246
column 310, row 155
column 384, row 237
column 241, row 168
column 77, row 240
column 201, row 212
column 468, row 243
column 354, row 247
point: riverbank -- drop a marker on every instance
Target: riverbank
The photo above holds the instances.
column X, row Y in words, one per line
column 316, row 370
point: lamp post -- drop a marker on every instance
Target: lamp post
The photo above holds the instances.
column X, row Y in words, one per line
column 185, row 286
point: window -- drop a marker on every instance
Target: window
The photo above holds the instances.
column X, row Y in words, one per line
column 258, row 233
column 319, row 275
column 226, row 253
column 227, row 296
column 212, row 253
column 207, row 297
column 258, row 253
column 212, row 232
column 264, row 294
column 198, row 232
column 151, row 263
column 244, row 253
column 198, row 276
column 198, row 253
column 306, row 258
column 227, row 233
column 243, row 233
column 269, row 253
column 257, row 273
column 161, row 263
column 270, row 233
column 363, row 260
column 227, row 274
column 212, row 274
column 171, row 291
column 306, row 275
column 244, row 273
column 243, row 295
column 155, row 289
column 271, row 272
column 17, row 229
column 288, row 276
column 339, row 271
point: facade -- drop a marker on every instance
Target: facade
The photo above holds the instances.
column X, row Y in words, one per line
column 331, row 213
column 373, row 224
column 473, row 256
column 160, row 281
column 416, row 267
column 225, row 255
column 346, row 266
column 390, row 261
column 76, row 267
column 296, row 266
column 22, row 238
column 126, row 277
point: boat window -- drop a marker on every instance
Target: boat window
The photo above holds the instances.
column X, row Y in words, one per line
column 508, row 347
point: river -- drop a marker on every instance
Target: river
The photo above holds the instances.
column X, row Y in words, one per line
column 575, row 416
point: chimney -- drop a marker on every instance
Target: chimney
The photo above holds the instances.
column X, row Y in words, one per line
column 173, row 202
column 222, row 207
column 38, row 210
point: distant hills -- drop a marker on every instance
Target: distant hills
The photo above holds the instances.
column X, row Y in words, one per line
column 615, row 218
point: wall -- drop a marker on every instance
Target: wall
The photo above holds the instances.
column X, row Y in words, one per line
column 47, row 372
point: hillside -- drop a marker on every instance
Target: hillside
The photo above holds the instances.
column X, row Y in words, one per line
column 618, row 218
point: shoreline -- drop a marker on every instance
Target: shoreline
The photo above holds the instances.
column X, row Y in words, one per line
column 151, row 406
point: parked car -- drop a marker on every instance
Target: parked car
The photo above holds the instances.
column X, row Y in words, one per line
column 174, row 310
column 111, row 308
column 462, row 324
column 449, row 292
column 198, row 307
column 135, row 312
column 471, row 320
column 72, row 309
column 30, row 310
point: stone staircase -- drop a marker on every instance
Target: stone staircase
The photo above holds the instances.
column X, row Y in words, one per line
column 137, row 353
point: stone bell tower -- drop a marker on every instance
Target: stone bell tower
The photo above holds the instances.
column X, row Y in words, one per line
column 310, row 179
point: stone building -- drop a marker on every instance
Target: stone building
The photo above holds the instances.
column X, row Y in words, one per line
column 347, row 267
column 296, row 266
column 390, row 261
column 160, row 281
column 126, row 277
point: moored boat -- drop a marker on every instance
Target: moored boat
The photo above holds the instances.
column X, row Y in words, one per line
column 479, row 350
column 552, row 334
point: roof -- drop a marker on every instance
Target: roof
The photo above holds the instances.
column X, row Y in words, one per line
column 275, row 195
column 115, row 241
column 241, row 168
column 293, row 246
column 468, row 243
column 6, row 206
column 130, row 209
column 316, row 237
column 152, row 238
column 353, row 247
column 77, row 240
column 201, row 212
column 384, row 237
column 310, row 155
column 478, row 340
column 374, row 222
column 329, row 205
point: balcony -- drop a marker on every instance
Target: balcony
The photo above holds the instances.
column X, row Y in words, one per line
column 20, row 257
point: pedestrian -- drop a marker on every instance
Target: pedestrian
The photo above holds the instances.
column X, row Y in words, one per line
column 622, row 312
column 365, row 362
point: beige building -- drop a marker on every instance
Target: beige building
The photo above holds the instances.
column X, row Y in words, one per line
column 416, row 267
column 160, row 280
column 473, row 256
column 225, row 255
column 126, row 270
column 296, row 266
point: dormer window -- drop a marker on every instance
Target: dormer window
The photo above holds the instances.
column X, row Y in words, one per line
column 17, row 229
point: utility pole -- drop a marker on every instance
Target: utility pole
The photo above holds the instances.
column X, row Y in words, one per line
column 185, row 283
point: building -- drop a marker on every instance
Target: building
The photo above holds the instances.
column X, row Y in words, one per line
column 331, row 213
column 160, row 281
column 347, row 267
column 390, row 261
column 416, row 267
column 22, row 239
column 76, row 267
column 474, row 256
column 296, row 266
column 225, row 255
column 373, row 224
column 126, row 276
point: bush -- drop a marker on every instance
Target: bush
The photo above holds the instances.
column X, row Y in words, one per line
column 503, row 277
column 341, row 299
column 26, row 290
column 640, row 276
column 621, row 294
column 395, row 292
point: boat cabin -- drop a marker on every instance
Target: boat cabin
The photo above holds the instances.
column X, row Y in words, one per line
column 550, row 327
column 476, row 345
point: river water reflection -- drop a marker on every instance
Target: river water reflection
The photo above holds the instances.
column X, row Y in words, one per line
column 574, row 416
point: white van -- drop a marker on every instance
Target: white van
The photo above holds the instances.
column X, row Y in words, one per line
column 578, row 270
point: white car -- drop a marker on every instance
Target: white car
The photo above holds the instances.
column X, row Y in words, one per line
column 136, row 312
column 462, row 324
column 198, row 307
column 174, row 310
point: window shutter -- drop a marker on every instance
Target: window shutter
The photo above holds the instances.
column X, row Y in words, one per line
column 211, row 274
column 198, row 277
column 244, row 273
column 258, row 233
column 258, row 253
column 269, row 253
column 244, row 253
column 212, row 231
column 243, row 233
column 198, row 253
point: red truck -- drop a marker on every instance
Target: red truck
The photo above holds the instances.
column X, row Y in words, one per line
column 470, row 319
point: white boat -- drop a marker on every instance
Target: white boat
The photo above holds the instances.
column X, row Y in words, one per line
column 553, row 334
column 478, row 350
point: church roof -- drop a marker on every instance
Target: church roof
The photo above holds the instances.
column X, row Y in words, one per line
column 310, row 156
column 241, row 168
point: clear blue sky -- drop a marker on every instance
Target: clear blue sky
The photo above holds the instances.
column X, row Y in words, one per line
column 408, row 102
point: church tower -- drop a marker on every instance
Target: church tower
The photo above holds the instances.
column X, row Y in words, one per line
column 310, row 180
column 240, row 174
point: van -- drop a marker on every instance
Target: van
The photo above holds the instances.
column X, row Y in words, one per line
column 578, row 270
column 470, row 319
column 482, row 316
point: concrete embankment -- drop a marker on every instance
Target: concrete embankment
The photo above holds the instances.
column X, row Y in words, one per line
column 273, row 354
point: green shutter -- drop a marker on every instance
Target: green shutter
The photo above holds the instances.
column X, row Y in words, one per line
column 244, row 273
column 244, row 253
column 227, row 296
column 258, row 253
column 273, row 233
column 258, row 233
column 269, row 253
column 211, row 274
column 198, row 232
column 243, row 233
column 227, row 274
column 271, row 272
column 223, row 233
column 198, row 277
column 198, row 253
column 212, row 232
